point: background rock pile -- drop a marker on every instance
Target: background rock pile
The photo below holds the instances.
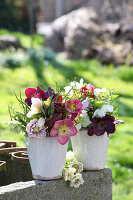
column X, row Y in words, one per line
column 80, row 34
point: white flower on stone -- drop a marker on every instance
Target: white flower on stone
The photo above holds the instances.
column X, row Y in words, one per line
column 77, row 165
column 102, row 112
column 101, row 94
column 74, row 85
column 70, row 156
column 68, row 173
column 35, row 107
column 76, row 181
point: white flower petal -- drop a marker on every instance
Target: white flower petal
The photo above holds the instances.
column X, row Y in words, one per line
column 36, row 102
column 41, row 122
column 70, row 156
column 102, row 112
column 85, row 104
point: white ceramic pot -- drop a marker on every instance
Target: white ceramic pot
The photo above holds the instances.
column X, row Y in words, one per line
column 90, row 150
column 46, row 156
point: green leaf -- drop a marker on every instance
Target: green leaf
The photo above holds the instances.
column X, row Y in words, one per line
column 113, row 97
column 99, row 104
column 50, row 110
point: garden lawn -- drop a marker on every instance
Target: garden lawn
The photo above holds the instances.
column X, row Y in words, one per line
column 120, row 153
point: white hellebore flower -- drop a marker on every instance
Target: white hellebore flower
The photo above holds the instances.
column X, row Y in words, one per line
column 76, row 181
column 101, row 94
column 35, row 107
column 75, row 85
column 70, row 156
column 80, row 84
column 77, row 165
column 68, row 173
column 102, row 112
column 84, row 120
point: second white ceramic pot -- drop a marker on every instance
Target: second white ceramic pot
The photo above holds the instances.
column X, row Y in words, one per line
column 90, row 150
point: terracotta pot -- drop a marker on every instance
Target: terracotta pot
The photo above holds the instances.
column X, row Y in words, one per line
column 90, row 150
column 46, row 156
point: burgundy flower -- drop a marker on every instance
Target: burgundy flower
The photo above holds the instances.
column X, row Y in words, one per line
column 57, row 99
column 91, row 131
column 88, row 90
column 50, row 123
column 62, row 129
column 74, row 106
column 59, row 111
column 102, row 125
column 40, row 93
column 58, row 107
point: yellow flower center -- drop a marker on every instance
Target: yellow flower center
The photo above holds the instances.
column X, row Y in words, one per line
column 63, row 130
column 72, row 106
column 36, row 129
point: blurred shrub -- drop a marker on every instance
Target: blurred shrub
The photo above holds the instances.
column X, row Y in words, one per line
column 45, row 54
column 35, row 54
column 13, row 59
column 49, row 54
column 14, row 16
column 40, row 57
column 12, row 63
column 125, row 73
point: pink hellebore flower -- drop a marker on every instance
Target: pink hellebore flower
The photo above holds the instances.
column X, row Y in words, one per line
column 74, row 106
column 88, row 90
column 35, row 128
column 63, row 129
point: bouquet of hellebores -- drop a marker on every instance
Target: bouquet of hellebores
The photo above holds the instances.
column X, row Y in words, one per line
column 45, row 114
column 62, row 114
column 91, row 108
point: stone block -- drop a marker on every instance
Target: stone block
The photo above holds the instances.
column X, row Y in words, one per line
column 97, row 186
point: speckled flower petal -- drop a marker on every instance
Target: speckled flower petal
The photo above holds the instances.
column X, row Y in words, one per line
column 73, row 131
column 62, row 140
column 53, row 132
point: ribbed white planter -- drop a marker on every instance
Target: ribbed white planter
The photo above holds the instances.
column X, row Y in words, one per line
column 46, row 156
column 90, row 150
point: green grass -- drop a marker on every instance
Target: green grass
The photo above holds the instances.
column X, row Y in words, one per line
column 25, row 40
column 120, row 153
